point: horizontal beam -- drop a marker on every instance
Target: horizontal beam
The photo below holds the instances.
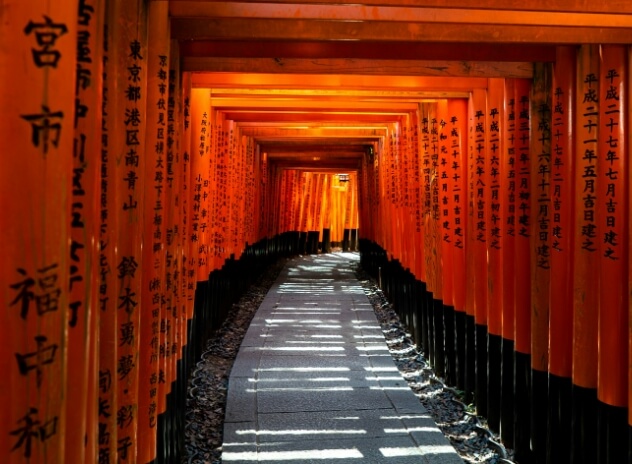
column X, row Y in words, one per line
column 368, row 50
column 430, row 85
column 578, row 6
column 301, row 118
column 404, row 14
column 305, row 30
column 378, row 107
column 366, row 95
column 360, row 66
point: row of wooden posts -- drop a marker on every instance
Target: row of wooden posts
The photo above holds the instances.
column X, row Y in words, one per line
column 133, row 214
column 512, row 210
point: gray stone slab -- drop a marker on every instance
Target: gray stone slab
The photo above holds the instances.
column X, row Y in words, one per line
column 319, row 398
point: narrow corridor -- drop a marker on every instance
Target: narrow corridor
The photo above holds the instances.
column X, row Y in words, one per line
column 314, row 380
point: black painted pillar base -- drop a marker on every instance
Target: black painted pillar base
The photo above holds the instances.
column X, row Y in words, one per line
column 612, row 423
column 470, row 358
column 560, row 414
column 507, row 393
column 326, row 247
column 584, row 425
column 302, row 243
column 481, row 370
column 539, row 414
column 423, row 310
column 430, row 326
column 494, row 371
column 459, row 333
column 346, row 238
column 522, row 409
column 439, row 364
column 450, row 345
column 416, row 304
column 630, row 442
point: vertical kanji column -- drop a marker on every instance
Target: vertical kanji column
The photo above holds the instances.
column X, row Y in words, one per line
column 586, row 258
column 612, row 209
column 108, row 226
column 480, row 215
column 128, row 160
column 82, row 431
column 522, row 280
column 541, row 254
column 508, row 195
column 561, row 296
column 152, row 329
column 457, row 172
column 495, row 238
column 470, row 261
column 38, row 75
column 199, row 196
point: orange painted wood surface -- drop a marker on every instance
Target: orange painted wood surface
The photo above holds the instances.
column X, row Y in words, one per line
column 562, row 194
column 540, row 216
column 495, row 219
column 481, row 202
column 36, row 173
column 612, row 211
column 524, row 225
column 586, row 229
column 509, row 192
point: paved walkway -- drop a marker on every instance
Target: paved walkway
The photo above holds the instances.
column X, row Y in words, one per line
column 314, row 381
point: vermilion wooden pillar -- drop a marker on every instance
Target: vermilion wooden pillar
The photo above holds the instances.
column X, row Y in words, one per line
column 188, row 250
column 154, row 330
column 426, row 272
column 508, row 158
column 458, row 151
column 82, row 412
column 612, row 216
column 561, row 295
column 480, row 215
column 129, row 66
column 445, row 325
column 200, row 183
column 435, row 239
column 629, row 166
column 540, row 254
column 586, row 233
column 494, row 238
column 522, row 280
column 470, row 261
column 38, row 73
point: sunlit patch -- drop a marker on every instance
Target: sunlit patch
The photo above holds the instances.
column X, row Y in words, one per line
column 382, row 369
column 379, row 378
column 326, row 336
column 317, row 454
column 371, row 348
column 301, row 389
column 379, row 336
column 389, row 388
column 424, row 416
column 303, row 369
column 413, row 429
column 302, row 432
column 305, row 342
column 316, row 379
column 302, row 348
column 399, row 452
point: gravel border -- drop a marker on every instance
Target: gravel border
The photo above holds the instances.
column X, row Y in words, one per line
column 206, row 394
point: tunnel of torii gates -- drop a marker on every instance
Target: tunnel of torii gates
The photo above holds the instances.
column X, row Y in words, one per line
column 137, row 205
